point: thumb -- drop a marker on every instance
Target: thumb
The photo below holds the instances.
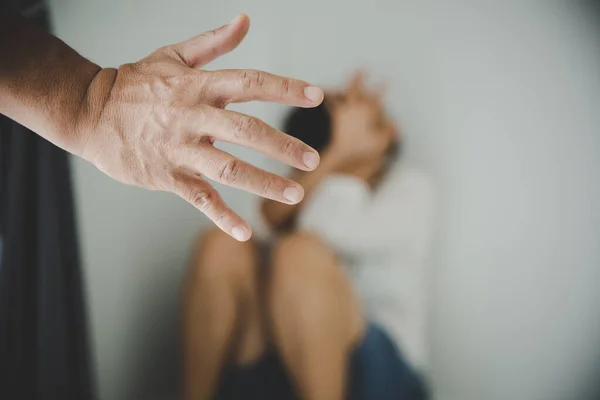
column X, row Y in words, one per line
column 204, row 48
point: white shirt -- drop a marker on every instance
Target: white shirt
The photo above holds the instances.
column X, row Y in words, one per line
column 383, row 236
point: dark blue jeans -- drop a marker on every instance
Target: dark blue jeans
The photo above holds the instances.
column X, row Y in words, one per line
column 377, row 371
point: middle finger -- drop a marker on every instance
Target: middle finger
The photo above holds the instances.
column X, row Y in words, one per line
column 251, row 132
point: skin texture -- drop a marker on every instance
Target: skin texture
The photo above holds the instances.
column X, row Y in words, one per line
column 153, row 123
column 361, row 135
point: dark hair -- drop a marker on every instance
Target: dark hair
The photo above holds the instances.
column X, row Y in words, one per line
column 311, row 125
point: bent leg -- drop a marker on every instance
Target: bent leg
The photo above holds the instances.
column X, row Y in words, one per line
column 315, row 317
column 221, row 318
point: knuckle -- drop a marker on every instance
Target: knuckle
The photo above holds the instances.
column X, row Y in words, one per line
column 210, row 34
column 168, row 115
column 252, row 79
column 203, row 114
column 288, row 148
column 170, row 51
column 203, row 79
column 174, row 82
column 246, row 127
column 204, row 199
column 286, row 85
column 167, row 87
column 231, row 172
column 268, row 186
column 164, row 49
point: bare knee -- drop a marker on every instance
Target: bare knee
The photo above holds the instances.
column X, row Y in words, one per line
column 218, row 262
column 307, row 278
column 300, row 261
column 302, row 248
column 215, row 241
column 223, row 263
column 216, row 255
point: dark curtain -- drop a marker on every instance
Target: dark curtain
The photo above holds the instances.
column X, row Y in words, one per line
column 43, row 336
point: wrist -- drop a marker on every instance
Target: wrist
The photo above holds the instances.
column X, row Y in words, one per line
column 97, row 86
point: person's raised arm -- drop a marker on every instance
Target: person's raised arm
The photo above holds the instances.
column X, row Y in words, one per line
column 43, row 82
column 358, row 142
column 153, row 123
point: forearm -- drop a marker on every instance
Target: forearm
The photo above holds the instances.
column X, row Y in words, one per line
column 279, row 215
column 43, row 82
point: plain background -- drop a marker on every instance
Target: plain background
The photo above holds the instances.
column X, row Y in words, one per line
column 500, row 103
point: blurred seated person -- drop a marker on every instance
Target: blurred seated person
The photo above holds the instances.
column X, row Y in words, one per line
column 331, row 305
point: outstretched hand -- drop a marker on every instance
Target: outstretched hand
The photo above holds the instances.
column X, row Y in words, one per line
column 153, row 123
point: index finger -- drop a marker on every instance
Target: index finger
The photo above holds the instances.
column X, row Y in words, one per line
column 238, row 86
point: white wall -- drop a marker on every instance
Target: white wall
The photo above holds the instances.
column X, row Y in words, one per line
column 500, row 102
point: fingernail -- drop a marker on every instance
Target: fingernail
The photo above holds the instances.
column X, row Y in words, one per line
column 310, row 159
column 292, row 194
column 239, row 233
column 313, row 93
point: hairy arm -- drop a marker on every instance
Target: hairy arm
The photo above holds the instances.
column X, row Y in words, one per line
column 43, row 82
